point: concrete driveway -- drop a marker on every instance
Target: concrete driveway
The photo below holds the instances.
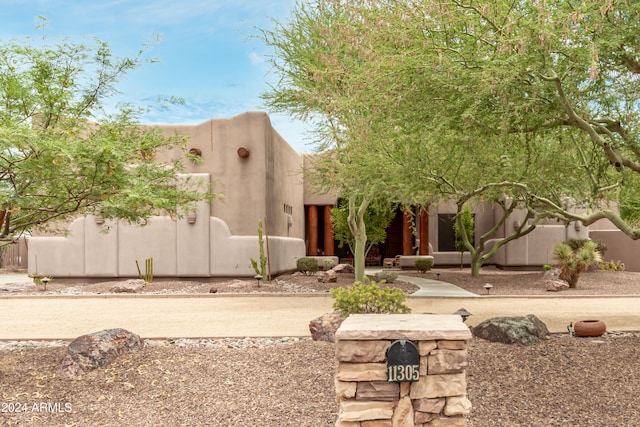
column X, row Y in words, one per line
column 171, row 316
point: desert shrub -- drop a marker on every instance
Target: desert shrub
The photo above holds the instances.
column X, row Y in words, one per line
column 307, row 266
column 548, row 267
column 369, row 297
column 572, row 262
column 576, row 244
column 329, row 264
column 386, row 276
column 612, row 265
column 423, row 264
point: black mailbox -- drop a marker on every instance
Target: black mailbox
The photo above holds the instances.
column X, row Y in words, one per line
column 403, row 362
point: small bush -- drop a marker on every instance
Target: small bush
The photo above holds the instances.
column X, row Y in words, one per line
column 576, row 244
column 386, row 276
column 423, row 264
column 548, row 267
column 369, row 297
column 306, row 265
column 329, row 264
column 612, row 265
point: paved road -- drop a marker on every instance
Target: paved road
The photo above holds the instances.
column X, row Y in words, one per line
column 165, row 316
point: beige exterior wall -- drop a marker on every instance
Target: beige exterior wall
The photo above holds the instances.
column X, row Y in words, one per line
column 270, row 185
column 266, row 185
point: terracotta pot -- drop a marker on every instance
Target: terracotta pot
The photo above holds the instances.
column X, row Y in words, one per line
column 589, row 328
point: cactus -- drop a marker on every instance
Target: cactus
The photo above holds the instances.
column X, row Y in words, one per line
column 148, row 270
column 262, row 269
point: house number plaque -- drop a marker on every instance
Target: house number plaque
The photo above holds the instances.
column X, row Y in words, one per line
column 403, row 362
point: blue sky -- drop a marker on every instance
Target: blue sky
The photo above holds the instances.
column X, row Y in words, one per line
column 206, row 53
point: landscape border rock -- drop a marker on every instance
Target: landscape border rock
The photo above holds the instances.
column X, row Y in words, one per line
column 512, row 330
column 324, row 328
column 97, row 349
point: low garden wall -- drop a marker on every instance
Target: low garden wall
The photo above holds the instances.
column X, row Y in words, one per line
column 402, row 370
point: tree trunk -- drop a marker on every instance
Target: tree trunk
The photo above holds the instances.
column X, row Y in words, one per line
column 476, row 263
column 359, row 232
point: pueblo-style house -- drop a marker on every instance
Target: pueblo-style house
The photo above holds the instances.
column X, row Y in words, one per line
column 261, row 177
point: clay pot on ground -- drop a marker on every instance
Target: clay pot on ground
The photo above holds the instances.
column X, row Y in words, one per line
column 589, row 328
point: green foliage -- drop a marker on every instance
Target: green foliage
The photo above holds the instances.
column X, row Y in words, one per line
column 377, row 218
column 463, row 228
column 576, row 244
column 548, row 267
column 612, row 265
column 307, row 265
column 369, row 297
column 531, row 101
column 386, row 276
column 423, row 264
column 572, row 262
column 63, row 155
column 328, row 263
column 262, row 269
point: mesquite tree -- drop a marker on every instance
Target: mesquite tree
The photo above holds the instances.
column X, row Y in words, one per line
column 63, row 155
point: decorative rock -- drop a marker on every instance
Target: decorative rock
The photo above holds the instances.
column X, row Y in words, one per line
column 97, row 349
column 555, row 285
column 213, row 290
column 130, row 286
column 343, row 268
column 512, row 330
column 324, row 328
column 553, row 282
column 328, row 276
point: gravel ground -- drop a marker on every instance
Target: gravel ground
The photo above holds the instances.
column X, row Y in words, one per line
column 562, row 381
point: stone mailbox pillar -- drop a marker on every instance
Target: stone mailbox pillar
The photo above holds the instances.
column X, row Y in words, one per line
column 371, row 392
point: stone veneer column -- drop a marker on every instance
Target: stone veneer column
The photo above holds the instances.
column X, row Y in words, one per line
column 367, row 399
column 328, row 231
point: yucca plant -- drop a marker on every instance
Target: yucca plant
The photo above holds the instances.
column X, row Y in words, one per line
column 572, row 262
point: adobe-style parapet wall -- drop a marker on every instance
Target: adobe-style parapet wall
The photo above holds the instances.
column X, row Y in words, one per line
column 370, row 389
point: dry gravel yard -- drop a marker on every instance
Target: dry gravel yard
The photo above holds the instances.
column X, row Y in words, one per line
column 289, row 382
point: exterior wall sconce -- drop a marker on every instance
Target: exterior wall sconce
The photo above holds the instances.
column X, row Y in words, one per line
column 192, row 217
column 516, row 225
column 289, row 222
column 577, row 225
column 244, row 152
column 99, row 219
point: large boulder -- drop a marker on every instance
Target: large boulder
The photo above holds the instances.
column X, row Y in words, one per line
column 324, row 328
column 512, row 330
column 91, row 351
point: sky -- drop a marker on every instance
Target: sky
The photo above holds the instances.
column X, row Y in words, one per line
column 207, row 55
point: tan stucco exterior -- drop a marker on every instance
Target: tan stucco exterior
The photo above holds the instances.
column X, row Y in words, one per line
column 269, row 184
